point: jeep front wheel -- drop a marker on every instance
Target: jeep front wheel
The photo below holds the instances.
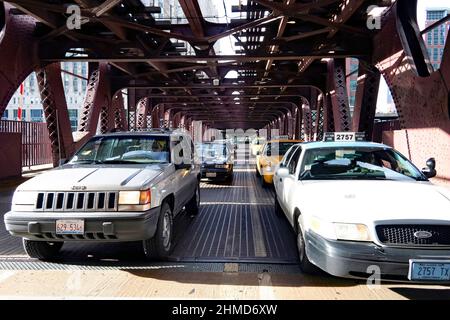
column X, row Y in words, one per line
column 160, row 246
column 42, row 250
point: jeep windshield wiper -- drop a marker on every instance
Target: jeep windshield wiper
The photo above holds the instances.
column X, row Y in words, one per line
column 86, row 162
column 118, row 161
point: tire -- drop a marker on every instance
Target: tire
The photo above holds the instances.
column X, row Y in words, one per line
column 193, row 206
column 278, row 210
column 257, row 172
column 230, row 178
column 305, row 265
column 160, row 246
column 42, row 250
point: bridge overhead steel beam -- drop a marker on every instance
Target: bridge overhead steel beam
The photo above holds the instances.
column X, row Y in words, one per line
column 337, row 90
column 422, row 102
column 55, row 111
column 320, row 118
column 98, row 96
column 18, row 48
column 142, row 110
column 117, row 105
column 366, row 99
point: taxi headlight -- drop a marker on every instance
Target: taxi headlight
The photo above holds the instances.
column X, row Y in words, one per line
column 322, row 228
column 134, row 197
column 268, row 166
column 352, row 232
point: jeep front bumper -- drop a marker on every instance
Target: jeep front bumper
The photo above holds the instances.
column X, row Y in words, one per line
column 98, row 226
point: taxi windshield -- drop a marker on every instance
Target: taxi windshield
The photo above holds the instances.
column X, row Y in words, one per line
column 278, row 148
column 124, row 150
column 357, row 163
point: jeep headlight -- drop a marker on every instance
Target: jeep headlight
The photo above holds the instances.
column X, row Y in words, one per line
column 24, row 198
column 352, row 232
column 135, row 200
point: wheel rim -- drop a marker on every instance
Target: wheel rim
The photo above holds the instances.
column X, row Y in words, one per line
column 197, row 195
column 301, row 250
column 167, row 230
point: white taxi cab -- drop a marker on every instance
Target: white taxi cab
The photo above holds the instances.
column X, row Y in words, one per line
column 359, row 206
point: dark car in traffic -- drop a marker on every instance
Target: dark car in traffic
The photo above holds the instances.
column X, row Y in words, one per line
column 217, row 160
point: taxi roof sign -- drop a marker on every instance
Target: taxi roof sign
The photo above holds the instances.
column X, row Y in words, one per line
column 344, row 136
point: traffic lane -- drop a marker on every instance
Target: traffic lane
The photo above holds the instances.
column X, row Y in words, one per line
column 162, row 284
column 9, row 245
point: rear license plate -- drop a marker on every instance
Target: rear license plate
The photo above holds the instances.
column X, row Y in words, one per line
column 69, row 226
column 211, row 174
column 427, row 270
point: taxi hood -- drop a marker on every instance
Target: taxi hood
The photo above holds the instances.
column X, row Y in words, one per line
column 93, row 178
column 351, row 201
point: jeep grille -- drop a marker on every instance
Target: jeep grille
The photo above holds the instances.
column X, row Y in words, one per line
column 77, row 201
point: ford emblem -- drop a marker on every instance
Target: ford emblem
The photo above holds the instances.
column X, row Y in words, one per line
column 423, row 234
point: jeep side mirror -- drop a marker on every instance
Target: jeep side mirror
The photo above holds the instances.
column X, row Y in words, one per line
column 63, row 161
column 430, row 170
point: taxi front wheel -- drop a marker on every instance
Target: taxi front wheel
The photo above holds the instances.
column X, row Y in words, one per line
column 305, row 265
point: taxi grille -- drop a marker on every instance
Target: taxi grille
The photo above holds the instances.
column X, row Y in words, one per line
column 77, row 201
column 406, row 235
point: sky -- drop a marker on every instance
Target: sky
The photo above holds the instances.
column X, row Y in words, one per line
column 422, row 5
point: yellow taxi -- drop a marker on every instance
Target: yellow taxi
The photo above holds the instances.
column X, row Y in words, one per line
column 270, row 156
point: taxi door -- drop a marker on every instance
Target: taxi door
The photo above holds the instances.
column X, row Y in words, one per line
column 289, row 184
column 278, row 181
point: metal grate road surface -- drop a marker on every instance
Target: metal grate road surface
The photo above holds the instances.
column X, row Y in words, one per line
column 237, row 222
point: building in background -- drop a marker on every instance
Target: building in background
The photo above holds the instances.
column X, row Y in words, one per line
column 435, row 39
column 74, row 88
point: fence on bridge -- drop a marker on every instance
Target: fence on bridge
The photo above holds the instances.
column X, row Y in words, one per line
column 36, row 146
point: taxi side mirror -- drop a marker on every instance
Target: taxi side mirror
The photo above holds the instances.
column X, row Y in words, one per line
column 430, row 170
column 283, row 172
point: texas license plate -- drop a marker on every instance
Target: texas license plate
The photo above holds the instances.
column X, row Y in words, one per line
column 69, row 226
column 427, row 270
column 211, row 174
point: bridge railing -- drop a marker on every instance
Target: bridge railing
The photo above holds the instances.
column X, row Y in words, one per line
column 36, row 146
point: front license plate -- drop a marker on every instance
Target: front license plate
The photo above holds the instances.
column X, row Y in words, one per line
column 69, row 226
column 211, row 174
column 429, row 270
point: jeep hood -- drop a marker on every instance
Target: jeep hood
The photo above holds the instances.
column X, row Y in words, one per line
column 94, row 178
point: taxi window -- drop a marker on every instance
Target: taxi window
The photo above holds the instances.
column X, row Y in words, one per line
column 292, row 166
column 287, row 157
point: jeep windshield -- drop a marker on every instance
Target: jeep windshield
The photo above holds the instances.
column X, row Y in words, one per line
column 124, row 150
column 357, row 163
